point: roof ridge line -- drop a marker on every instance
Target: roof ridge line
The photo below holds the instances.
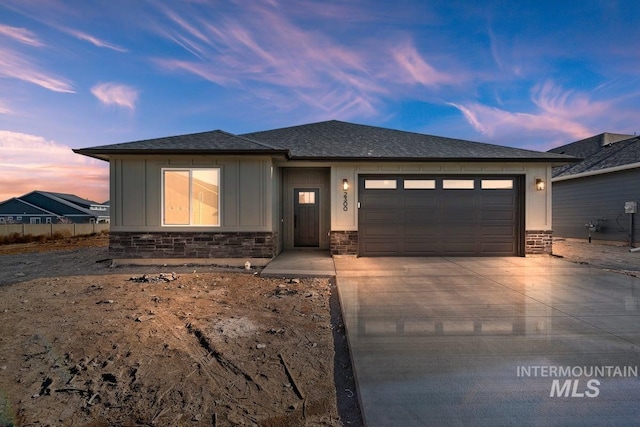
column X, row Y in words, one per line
column 254, row 141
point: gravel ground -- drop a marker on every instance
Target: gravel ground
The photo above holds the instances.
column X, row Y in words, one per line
column 610, row 257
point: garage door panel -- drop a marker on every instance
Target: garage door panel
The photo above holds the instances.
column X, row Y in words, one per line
column 428, row 200
column 383, row 216
column 497, row 248
column 497, row 215
column 420, row 232
column 381, row 200
column 420, row 216
column 458, row 232
column 434, row 221
column 457, row 216
column 382, row 231
column 498, row 232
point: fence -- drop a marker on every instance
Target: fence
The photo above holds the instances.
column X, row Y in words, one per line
column 50, row 229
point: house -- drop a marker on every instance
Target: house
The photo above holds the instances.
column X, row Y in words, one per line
column 17, row 211
column 348, row 188
column 598, row 195
column 43, row 207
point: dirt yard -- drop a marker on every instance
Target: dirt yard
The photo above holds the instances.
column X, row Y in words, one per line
column 82, row 344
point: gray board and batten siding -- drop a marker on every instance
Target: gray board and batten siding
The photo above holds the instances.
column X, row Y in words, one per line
column 597, row 199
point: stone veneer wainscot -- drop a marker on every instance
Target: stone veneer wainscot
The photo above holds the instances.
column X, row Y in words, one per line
column 192, row 245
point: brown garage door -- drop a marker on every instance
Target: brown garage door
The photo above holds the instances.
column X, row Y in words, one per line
column 440, row 216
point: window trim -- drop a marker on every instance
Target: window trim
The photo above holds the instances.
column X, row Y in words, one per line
column 190, row 171
column 458, row 186
column 372, row 183
column 498, row 186
column 419, row 184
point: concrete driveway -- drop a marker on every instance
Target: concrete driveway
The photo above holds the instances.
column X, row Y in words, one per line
column 491, row 341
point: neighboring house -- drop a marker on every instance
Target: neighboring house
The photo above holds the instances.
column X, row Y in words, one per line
column 17, row 211
column 348, row 188
column 590, row 196
column 43, row 207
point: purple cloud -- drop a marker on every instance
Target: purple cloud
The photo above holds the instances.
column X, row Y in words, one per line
column 117, row 94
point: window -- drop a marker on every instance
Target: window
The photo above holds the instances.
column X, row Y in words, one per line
column 458, row 184
column 2, row 221
column 34, row 220
column 307, row 198
column 18, row 218
column 191, row 197
column 380, row 184
column 419, row 184
column 497, row 184
column 48, row 220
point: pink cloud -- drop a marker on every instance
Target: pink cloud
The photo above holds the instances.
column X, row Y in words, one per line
column 116, row 94
column 31, row 162
column 561, row 116
column 93, row 40
column 16, row 66
column 415, row 69
column 285, row 61
column 261, row 45
column 4, row 109
column 20, row 34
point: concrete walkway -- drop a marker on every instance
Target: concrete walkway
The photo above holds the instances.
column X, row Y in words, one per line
column 491, row 341
column 301, row 263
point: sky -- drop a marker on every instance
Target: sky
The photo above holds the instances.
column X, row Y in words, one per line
column 530, row 74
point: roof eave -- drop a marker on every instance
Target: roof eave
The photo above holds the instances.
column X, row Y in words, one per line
column 553, row 161
column 106, row 154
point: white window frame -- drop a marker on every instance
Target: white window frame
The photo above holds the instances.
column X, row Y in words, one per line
column 190, row 170
column 419, row 184
column 458, row 184
column 381, row 183
column 497, row 183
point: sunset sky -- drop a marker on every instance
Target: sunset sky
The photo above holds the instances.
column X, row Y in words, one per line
column 76, row 73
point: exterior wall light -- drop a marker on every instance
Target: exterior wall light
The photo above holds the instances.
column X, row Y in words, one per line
column 539, row 184
column 345, row 187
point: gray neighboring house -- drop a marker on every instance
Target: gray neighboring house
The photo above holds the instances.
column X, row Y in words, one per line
column 44, row 207
column 592, row 195
column 348, row 188
column 17, row 211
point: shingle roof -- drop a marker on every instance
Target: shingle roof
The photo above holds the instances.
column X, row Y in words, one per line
column 338, row 140
column 15, row 206
column 72, row 198
column 55, row 204
column 599, row 155
column 330, row 140
column 196, row 143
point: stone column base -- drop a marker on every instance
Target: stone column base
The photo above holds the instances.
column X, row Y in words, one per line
column 344, row 243
column 538, row 242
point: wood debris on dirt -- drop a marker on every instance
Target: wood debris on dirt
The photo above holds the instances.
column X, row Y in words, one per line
column 199, row 349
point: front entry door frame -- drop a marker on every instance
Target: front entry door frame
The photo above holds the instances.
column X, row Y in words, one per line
column 306, row 217
column 311, row 178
